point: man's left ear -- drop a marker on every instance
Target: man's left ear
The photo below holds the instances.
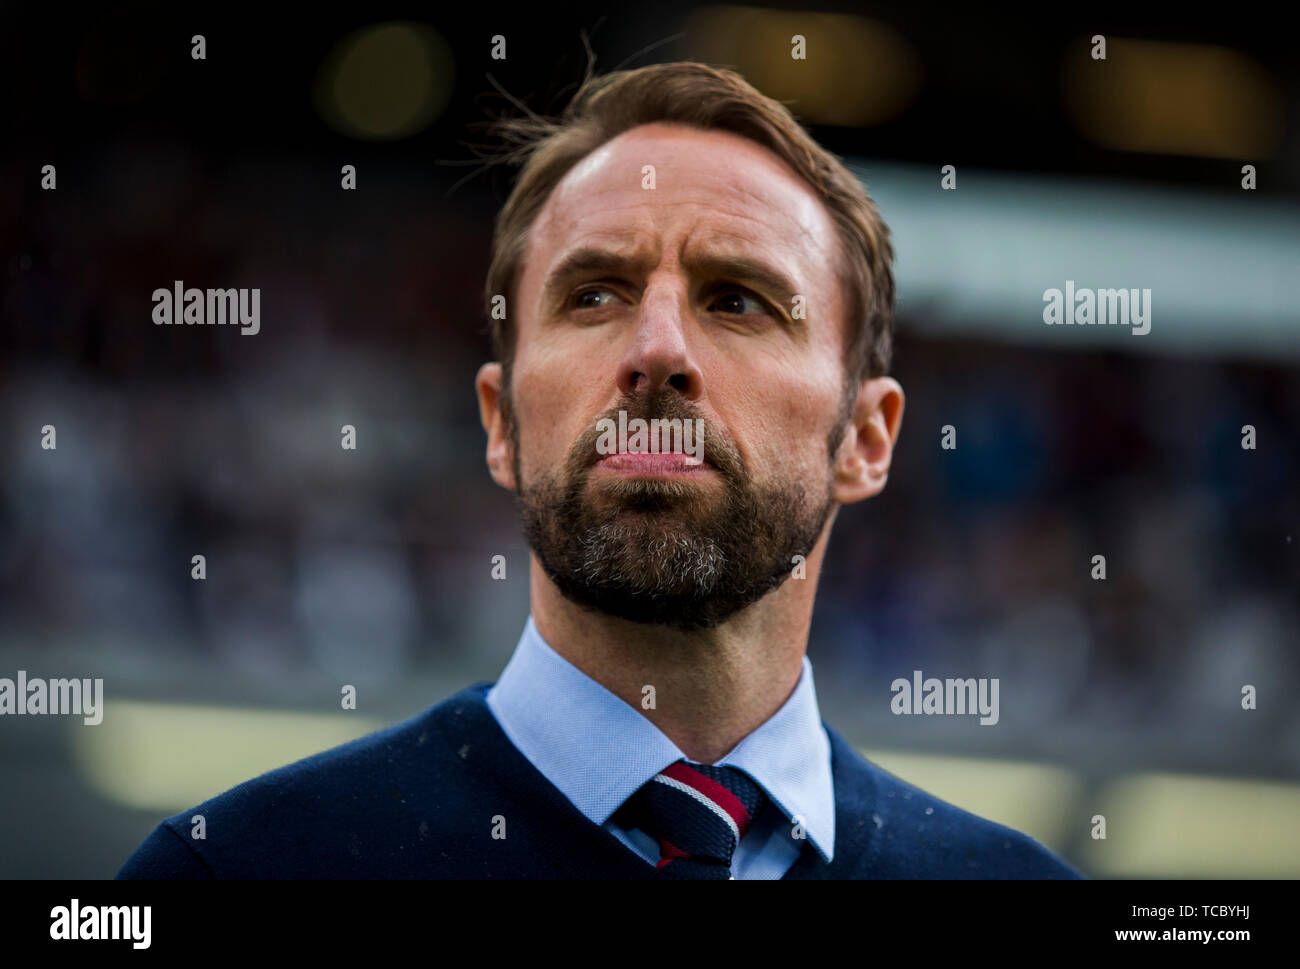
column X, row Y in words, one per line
column 862, row 466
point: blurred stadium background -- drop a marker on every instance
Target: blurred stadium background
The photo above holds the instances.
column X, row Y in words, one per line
column 371, row 567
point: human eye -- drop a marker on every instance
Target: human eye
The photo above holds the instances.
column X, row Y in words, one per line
column 590, row 298
column 738, row 301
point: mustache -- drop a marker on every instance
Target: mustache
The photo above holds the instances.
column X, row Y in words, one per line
column 666, row 405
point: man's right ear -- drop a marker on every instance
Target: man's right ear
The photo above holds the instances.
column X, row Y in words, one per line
column 499, row 459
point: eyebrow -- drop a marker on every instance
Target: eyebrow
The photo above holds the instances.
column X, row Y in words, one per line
column 589, row 259
column 742, row 269
column 745, row 269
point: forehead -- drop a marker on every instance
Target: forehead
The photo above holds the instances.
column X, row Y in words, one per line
column 712, row 189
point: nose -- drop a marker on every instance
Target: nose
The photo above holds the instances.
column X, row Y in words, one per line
column 659, row 355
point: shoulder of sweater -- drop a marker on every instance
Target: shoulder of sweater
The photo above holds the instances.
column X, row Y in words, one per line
column 375, row 767
column 903, row 831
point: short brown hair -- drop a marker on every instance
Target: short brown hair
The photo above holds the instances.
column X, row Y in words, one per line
column 714, row 99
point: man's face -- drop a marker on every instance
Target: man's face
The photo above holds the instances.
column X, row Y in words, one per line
column 677, row 301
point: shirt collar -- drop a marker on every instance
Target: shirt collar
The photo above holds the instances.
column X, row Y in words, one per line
column 598, row 750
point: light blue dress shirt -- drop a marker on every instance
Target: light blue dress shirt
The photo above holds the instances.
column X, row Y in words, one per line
column 598, row 751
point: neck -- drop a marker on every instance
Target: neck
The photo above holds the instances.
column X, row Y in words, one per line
column 712, row 687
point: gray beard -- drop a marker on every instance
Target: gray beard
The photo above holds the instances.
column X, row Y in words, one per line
column 662, row 552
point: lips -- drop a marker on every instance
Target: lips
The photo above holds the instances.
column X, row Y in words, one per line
column 673, row 462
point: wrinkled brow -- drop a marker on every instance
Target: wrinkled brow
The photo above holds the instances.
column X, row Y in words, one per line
column 742, row 269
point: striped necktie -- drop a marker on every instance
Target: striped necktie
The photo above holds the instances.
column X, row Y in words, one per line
column 698, row 813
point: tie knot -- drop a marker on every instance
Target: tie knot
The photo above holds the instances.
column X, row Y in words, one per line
column 698, row 813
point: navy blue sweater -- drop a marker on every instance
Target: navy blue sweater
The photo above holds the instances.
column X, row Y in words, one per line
column 421, row 799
